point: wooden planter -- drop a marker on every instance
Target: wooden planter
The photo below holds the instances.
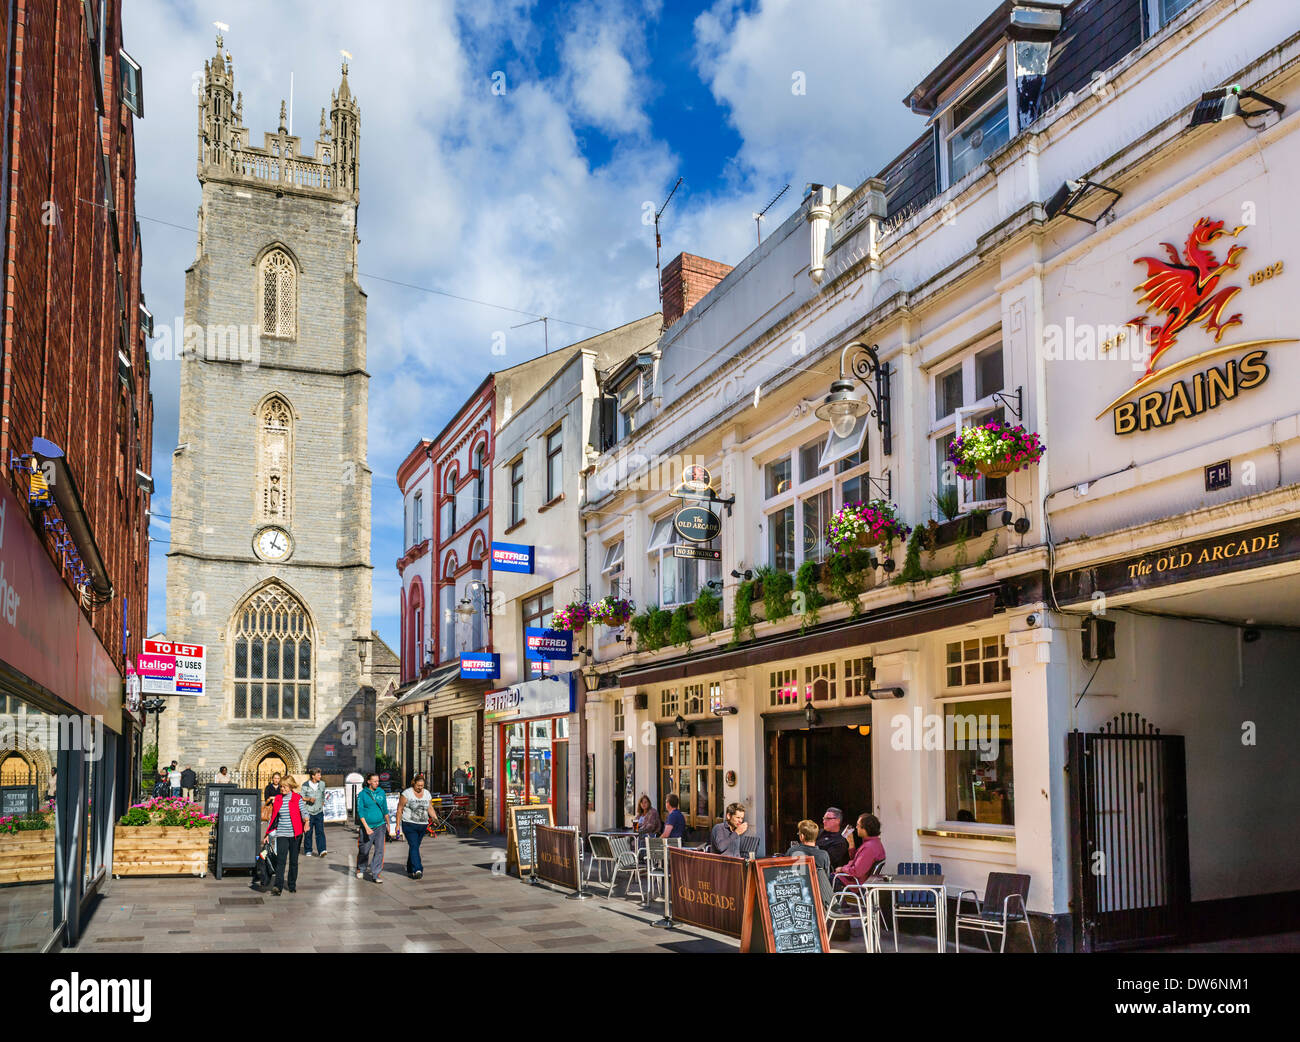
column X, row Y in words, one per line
column 160, row 850
column 949, row 532
column 27, row 857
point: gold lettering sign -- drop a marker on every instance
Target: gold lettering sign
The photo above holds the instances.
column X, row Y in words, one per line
column 1228, row 549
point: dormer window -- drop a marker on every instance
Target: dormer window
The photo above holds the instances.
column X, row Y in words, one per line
column 978, row 124
column 1165, row 11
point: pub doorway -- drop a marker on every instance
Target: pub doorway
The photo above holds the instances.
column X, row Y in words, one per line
column 810, row 768
column 620, row 784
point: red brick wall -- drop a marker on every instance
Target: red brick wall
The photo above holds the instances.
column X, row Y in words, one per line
column 686, row 279
column 62, row 323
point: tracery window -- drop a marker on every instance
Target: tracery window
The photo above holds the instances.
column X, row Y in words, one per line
column 272, row 642
column 275, row 454
column 279, row 297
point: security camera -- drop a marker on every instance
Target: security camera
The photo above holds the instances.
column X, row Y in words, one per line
column 725, row 711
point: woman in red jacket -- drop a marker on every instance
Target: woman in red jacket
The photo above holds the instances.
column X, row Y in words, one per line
column 286, row 826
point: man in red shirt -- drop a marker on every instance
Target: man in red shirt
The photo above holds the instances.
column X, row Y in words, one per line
column 869, row 850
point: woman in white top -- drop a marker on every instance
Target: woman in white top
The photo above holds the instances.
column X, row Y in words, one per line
column 413, row 811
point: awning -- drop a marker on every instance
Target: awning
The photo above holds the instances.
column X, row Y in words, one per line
column 430, row 686
column 887, row 624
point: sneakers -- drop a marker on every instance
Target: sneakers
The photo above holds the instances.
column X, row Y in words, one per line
column 321, row 854
column 377, row 880
column 418, row 875
column 360, row 874
column 275, row 891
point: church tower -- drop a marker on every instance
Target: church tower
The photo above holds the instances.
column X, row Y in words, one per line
column 269, row 565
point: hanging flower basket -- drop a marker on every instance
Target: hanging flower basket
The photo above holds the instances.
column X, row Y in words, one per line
column 860, row 526
column 573, row 617
column 612, row 611
column 994, row 450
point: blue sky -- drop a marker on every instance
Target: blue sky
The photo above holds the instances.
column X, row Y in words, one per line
column 532, row 197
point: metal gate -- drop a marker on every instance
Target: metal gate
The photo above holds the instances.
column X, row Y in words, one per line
column 1128, row 833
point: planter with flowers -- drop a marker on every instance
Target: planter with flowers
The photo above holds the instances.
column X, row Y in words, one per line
column 573, row 616
column 994, row 450
column 860, row 526
column 162, row 837
column 27, row 847
column 612, row 611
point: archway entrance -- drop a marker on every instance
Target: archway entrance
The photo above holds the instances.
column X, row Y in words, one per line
column 269, row 765
column 15, row 770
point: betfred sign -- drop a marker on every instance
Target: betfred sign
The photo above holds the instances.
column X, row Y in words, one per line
column 190, row 669
column 543, row 645
column 512, row 557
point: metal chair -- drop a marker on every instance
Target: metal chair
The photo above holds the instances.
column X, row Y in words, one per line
column 849, row 902
column 916, row 904
column 750, row 846
column 625, row 860
column 601, row 854
column 1005, row 896
column 656, row 863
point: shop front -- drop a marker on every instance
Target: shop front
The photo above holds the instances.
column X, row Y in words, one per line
column 442, row 728
column 61, row 747
column 532, row 723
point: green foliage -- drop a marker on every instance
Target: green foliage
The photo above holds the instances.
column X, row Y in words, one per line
column 989, row 551
column 776, row 595
column 708, row 611
column 805, row 582
column 846, row 578
column 653, row 629
column 946, row 503
column 149, row 764
column 743, row 620
column 679, row 629
column 912, row 572
column 135, row 816
column 641, row 627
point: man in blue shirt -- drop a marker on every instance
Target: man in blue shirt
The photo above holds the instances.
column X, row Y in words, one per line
column 675, row 824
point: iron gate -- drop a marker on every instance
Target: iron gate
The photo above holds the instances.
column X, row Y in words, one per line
column 1128, row 832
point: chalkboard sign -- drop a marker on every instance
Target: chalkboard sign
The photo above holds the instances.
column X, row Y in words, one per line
column 520, row 846
column 17, row 800
column 239, row 829
column 783, row 907
column 212, row 797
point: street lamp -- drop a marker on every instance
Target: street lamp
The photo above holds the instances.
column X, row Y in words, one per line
column 844, row 405
column 465, row 607
column 156, row 706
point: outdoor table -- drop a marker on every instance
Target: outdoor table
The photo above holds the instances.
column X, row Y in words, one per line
column 898, row 883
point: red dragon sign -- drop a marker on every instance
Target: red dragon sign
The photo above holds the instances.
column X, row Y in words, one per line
column 1185, row 290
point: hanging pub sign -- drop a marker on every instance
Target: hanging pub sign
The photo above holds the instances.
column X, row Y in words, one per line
column 696, row 484
column 513, row 557
column 543, row 645
column 698, row 524
column 697, row 553
column 480, row 665
column 1182, row 291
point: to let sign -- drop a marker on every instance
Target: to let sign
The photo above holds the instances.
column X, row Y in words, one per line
column 190, row 667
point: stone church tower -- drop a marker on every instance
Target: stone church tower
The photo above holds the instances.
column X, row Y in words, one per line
column 269, row 565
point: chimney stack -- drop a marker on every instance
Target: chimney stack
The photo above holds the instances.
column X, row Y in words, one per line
column 686, row 279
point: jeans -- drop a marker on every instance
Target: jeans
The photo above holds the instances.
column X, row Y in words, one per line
column 413, row 833
column 176, row 791
column 286, row 849
column 372, row 848
column 315, row 827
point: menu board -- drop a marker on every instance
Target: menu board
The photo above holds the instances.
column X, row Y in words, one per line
column 336, row 807
column 17, row 800
column 238, row 828
column 520, row 845
column 783, row 907
column 212, row 797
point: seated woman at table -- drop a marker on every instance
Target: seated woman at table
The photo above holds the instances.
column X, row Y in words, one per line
column 805, row 845
column 867, row 852
column 648, row 822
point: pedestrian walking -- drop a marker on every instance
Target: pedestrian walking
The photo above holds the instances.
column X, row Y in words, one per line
column 313, row 797
column 286, row 826
column 413, row 812
column 174, row 780
column 188, row 781
column 372, row 822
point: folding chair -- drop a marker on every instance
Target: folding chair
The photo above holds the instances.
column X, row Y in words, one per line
column 750, row 846
column 656, row 863
column 1005, row 895
column 601, row 855
column 625, row 860
column 917, row 904
column 850, row 901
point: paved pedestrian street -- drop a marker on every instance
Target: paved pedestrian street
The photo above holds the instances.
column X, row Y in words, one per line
column 461, row 905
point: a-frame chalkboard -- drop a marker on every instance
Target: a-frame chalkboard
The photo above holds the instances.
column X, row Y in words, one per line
column 520, row 848
column 783, row 908
column 238, row 829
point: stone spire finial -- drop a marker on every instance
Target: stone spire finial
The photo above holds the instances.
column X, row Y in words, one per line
column 345, row 92
column 322, row 124
column 284, row 115
column 239, row 107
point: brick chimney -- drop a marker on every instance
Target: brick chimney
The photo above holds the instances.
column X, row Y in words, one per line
column 686, row 279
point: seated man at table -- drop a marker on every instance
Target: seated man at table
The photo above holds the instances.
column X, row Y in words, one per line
column 831, row 838
column 675, row 823
column 805, row 845
column 725, row 836
column 869, row 849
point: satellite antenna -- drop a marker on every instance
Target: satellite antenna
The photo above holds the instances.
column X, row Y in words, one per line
column 758, row 217
column 546, row 336
column 659, row 275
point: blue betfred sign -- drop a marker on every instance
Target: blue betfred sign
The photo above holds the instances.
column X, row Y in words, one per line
column 512, row 557
column 479, row 665
column 543, row 645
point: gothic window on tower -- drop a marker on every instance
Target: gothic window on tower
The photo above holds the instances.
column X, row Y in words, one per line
column 279, row 297
column 273, row 665
column 275, row 431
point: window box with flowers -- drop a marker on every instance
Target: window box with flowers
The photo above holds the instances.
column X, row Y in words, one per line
column 861, row 526
column 611, row 611
column 995, row 450
column 162, row 837
column 573, row 616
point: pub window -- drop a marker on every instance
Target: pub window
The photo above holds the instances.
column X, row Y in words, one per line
column 692, row 768
column 715, row 697
column 979, row 785
column 612, row 567
column 976, row 661
column 669, row 702
column 273, row 662
column 679, row 579
column 693, row 699
column 963, row 397
column 978, row 123
column 857, row 677
column 783, row 687
column 819, row 682
column 619, row 725
column 798, row 505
